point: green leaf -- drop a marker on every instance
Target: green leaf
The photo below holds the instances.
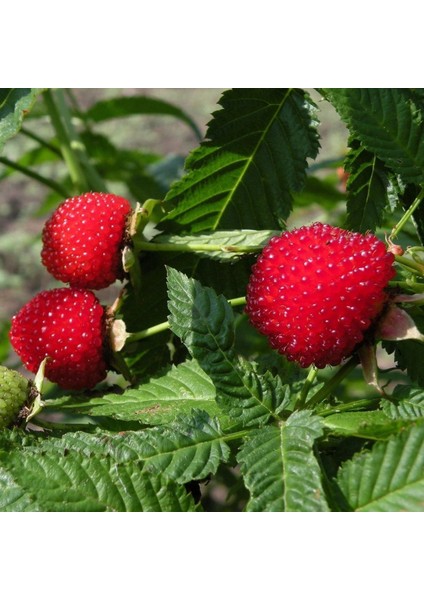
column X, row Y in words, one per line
column 370, row 425
column 280, row 469
column 15, row 103
column 126, row 106
column 367, row 189
column 191, row 448
column 223, row 246
column 388, row 478
column 67, row 481
column 253, row 159
column 388, row 123
column 406, row 402
column 204, row 321
column 159, row 401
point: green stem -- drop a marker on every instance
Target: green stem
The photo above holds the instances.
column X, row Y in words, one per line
column 145, row 333
column 306, row 387
column 407, row 285
column 240, row 301
column 75, row 171
column 92, row 177
column 349, row 406
column 160, row 327
column 33, row 175
column 410, row 264
column 332, row 383
column 407, row 214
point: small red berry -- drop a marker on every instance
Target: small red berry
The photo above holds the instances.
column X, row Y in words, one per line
column 67, row 325
column 315, row 291
column 83, row 240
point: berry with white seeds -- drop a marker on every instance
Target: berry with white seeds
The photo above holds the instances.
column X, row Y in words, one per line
column 84, row 238
column 15, row 392
column 68, row 326
column 314, row 292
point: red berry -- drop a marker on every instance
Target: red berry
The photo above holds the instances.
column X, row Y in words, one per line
column 315, row 291
column 83, row 239
column 68, row 325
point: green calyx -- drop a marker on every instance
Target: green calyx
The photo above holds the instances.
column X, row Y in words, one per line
column 15, row 391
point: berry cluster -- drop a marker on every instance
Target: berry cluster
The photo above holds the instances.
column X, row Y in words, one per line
column 82, row 246
column 316, row 290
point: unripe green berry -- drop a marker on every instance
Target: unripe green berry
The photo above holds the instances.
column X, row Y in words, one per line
column 14, row 393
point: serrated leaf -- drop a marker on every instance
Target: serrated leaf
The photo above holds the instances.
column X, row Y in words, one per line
column 388, row 123
column 406, row 402
column 204, row 321
column 159, row 401
column 125, row 106
column 224, row 246
column 388, row 478
column 254, row 157
column 58, row 482
column 280, row 469
column 367, row 189
column 15, row 103
column 191, row 448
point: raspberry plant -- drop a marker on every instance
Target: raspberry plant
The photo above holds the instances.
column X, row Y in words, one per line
column 187, row 395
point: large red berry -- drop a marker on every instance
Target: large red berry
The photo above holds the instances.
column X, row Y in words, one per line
column 83, row 239
column 68, row 325
column 315, row 291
